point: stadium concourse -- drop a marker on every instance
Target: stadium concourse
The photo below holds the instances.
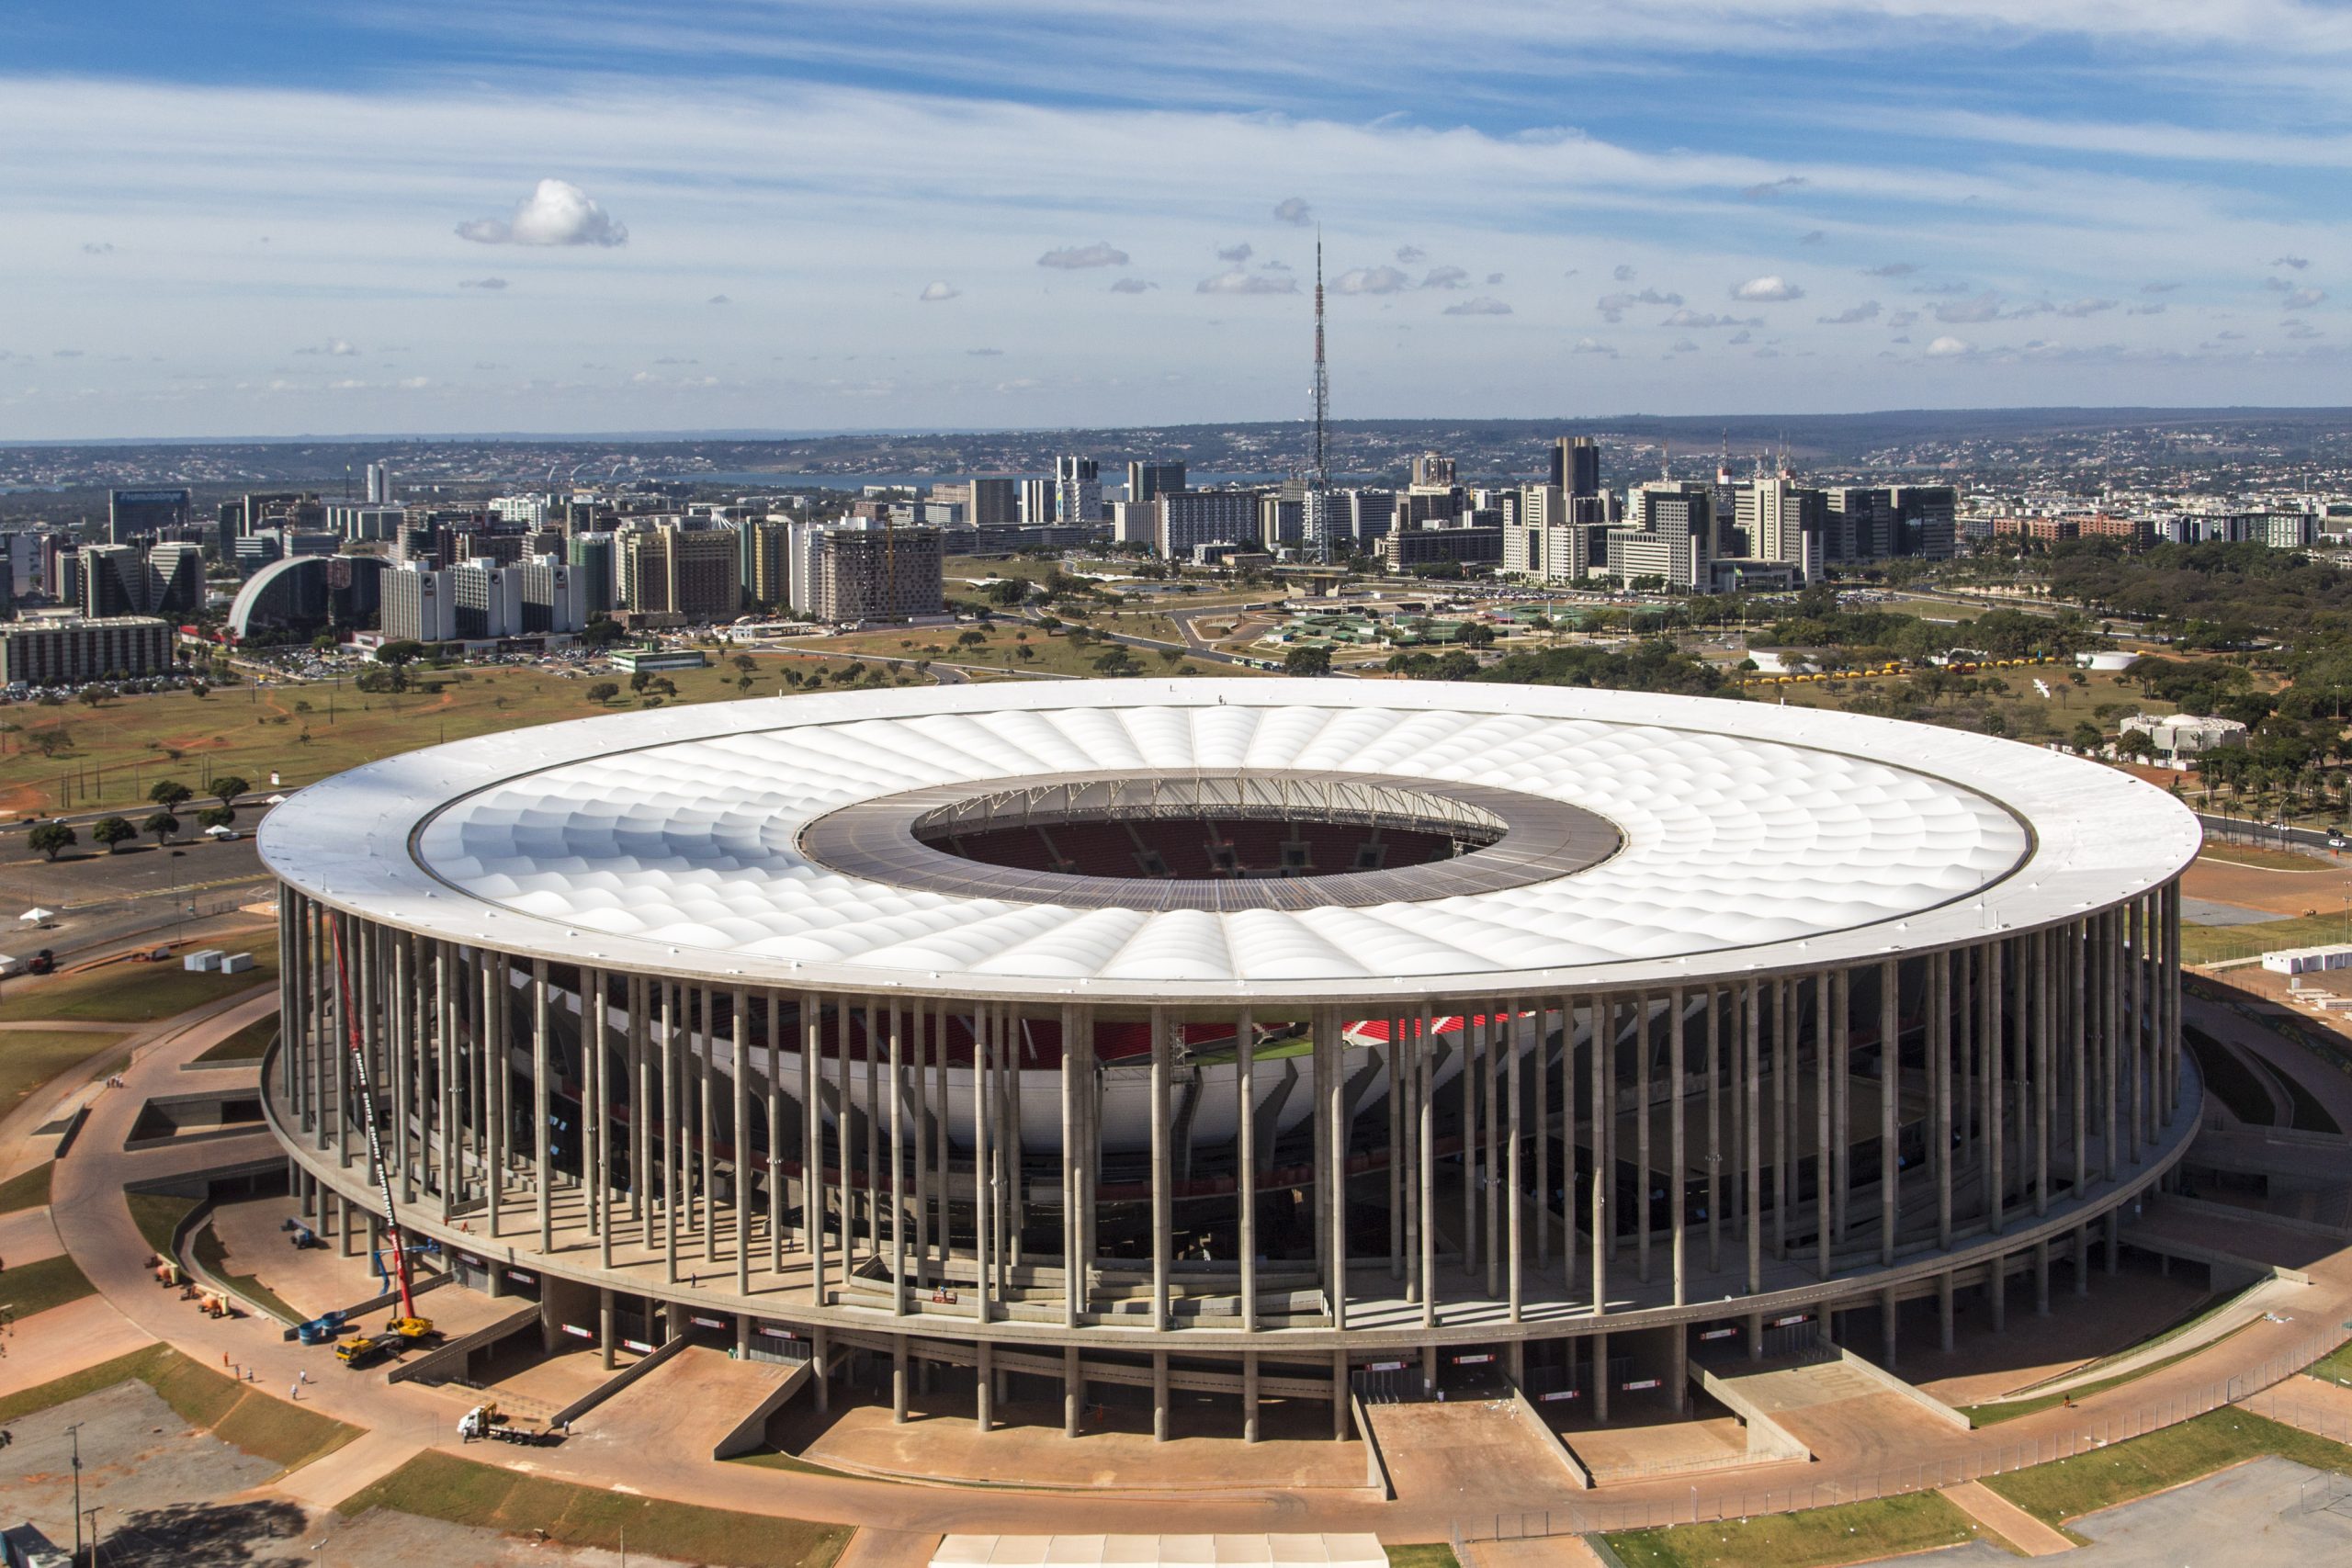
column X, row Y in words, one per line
column 1241, row 1046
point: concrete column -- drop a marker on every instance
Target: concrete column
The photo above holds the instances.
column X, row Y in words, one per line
column 604, row 1333
column 1678, row 1366
column 1997, row 1292
column 984, row 1388
column 1601, row 1378
column 2114, row 1241
column 1396, row 1099
column 672, row 1130
column 705, row 1191
column 1425, row 1149
column 1543, row 1088
column 1944, row 1312
column 876, row 1128
column 2044, row 1075
column 1159, row 1396
column 1073, row 1273
column 2042, row 1279
column 1331, row 1088
column 1752, row 1135
column 1995, row 1087
column 1823, row 1166
column 739, row 1005
column 1603, row 1011
column 897, row 1380
column 2136, row 972
column 1496, row 1038
column 1468, row 1083
column 1163, row 1205
column 1245, row 1158
column 1714, row 1131
column 775, row 1131
column 898, row 1161
column 1939, row 1045
column 2079, row 960
column 542, row 1168
column 983, row 1038
column 1755, row 1336
column 1341, row 1426
column 845, row 1124
column 1609, row 1117
column 821, row 1354
column 1886, row 1318
column 1841, row 1151
column 2083, row 1260
column 1514, row 1040
column 1890, row 1072
column 1675, row 1157
column 1249, row 1397
column 1784, row 1009
column 812, row 1143
column 1643, row 1164
column 1073, row 1389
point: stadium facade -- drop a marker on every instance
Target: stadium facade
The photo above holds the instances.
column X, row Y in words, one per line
column 1263, row 1039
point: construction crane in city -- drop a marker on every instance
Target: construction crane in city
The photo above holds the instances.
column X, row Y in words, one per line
column 407, row 1326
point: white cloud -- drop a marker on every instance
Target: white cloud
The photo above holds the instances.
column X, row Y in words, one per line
column 1865, row 311
column 1482, row 306
column 2302, row 330
column 1767, row 290
column 1293, row 209
column 1240, row 282
column 1408, row 254
column 2077, row 308
column 1073, row 258
column 2156, row 308
column 333, row 347
column 1612, row 307
column 413, row 383
column 1371, row 280
column 1592, row 345
column 1948, row 348
column 1444, row 277
column 1707, row 319
column 1132, row 285
column 1684, row 345
column 491, row 284
column 938, row 289
column 557, row 213
column 2298, row 299
column 985, row 353
column 1234, row 255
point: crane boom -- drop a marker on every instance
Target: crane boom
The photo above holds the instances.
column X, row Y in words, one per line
column 367, row 1118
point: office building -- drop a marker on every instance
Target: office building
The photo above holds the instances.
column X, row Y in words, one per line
column 1036, row 501
column 1077, row 490
column 760, row 558
column 1859, row 521
column 127, row 580
column 1407, row 549
column 1926, row 520
column 379, row 484
column 592, row 556
column 1191, row 518
column 1150, row 481
column 136, row 513
column 1671, row 535
column 988, row 501
column 1786, row 522
column 63, row 653
column 676, row 571
column 1575, row 464
column 878, row 574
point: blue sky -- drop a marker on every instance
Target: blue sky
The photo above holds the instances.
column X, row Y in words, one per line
column 272, row 218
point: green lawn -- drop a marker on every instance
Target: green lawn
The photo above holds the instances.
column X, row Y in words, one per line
column 2336, row 1367
column 29, row 1288
column 238, row 1413
column 2069, row 1488
column 441, row 1487
column 157, row 1215
column 2212, row 945
column 1433, row 1555
column 139, row 993
column 31, row 1057
column 1850, row 1532
column 247, row 1043
column 29, row 1191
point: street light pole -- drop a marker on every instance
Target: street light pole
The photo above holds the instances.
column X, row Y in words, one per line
column 74, row 1432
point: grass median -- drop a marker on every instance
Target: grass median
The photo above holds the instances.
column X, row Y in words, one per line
column 461, row 1492
column 27, row 1189
column 1847, row 1532
column 130, row 992
column 30, row 1058
column 238, row 1414
column 246, row 1045
column 2069, row 1488
column 29, row 1288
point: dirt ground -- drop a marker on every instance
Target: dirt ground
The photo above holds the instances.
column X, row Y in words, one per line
column 2321, row 890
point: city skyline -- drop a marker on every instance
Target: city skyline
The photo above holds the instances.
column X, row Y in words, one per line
column 796, row 216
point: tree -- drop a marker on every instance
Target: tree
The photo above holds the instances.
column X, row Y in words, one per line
column 381, row 679
column 53, row 838
column 639, row 679
column 170, row 793
column 601, row 632
column 52, row 740
column 163, row 826
column 226, row 787
column 93, row 695
column 216, row 817
column 604, row 692
column 111, row 831
column 403, row 650
column 742, row 683
column 1478, row 634
column 1308, row 661
column 1008, row 592
column 745, row 663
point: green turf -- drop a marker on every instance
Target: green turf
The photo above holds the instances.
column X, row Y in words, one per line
column 125, row 992
column 30, row 1058
column 459, row 1491
column 157, row 1215
column 29, row 1288
column 1435, row 1554
column 1993, row 1415
column 238, row 1413
column 1848, row 1532
column 247, row 1043
column 2069, row 1488
column 2336, row 1367
column 29, row 1190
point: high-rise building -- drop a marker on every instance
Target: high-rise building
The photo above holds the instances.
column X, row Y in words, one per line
column 1191, row 518
column 1364, row 515
column 1433, row 471
column 676, row 571
column 759, row 565
column 379, row 484
column 878, row 574
column 989, row 501
column 1860, row 524
column 1150, row 481
column 1077, row 490
column 131, row 514
column 1671, row 535
column 591, row 555
column 124, row 579
column 1785, row 521
column 1926, row 520
column 1575, row 464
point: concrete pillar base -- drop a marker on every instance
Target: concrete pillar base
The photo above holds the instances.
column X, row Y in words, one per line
column 1159, row 1396
column 1073, row 1392
column 897, row 1380
column 984, row 1389
column 1249, row 1396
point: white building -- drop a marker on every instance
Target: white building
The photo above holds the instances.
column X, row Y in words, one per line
column 2185, row 735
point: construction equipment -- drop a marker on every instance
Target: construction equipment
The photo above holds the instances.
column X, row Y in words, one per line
column 406, row 1326
column 321, row 1330
column 361, row 1349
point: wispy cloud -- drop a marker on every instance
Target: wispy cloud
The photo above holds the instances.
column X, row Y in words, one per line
column 1481, row 306
column 1073, row 258
column 1293, row 209
column 1239, row 281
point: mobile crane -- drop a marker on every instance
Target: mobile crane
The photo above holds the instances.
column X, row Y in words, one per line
column 406, row 1327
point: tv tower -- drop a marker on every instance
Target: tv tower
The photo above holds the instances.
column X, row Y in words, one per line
column 1319, row 480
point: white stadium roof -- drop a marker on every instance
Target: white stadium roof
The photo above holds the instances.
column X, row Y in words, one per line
column 1754, row 838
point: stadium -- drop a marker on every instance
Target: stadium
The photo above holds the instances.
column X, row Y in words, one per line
column 1251, row 1046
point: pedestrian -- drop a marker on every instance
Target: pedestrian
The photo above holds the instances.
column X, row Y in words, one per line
column 294, row 1390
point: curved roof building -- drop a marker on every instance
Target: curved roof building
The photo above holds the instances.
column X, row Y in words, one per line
column 1217, row 1035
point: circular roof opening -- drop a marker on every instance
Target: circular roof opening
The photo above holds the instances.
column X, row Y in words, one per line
column 1264, row 839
